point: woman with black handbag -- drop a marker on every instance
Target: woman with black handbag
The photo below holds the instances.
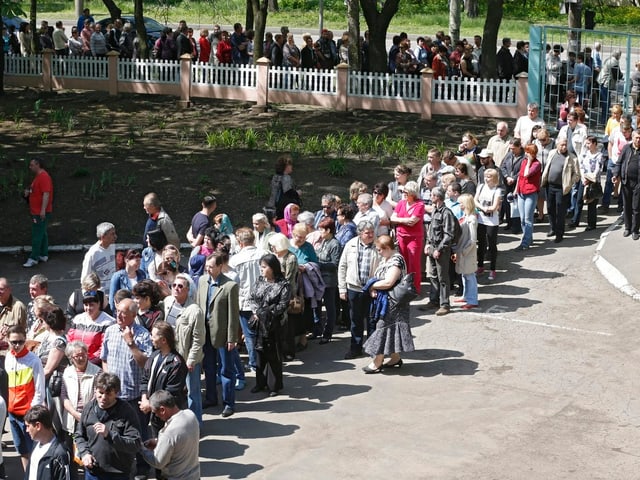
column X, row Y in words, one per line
column 589, row 188
column 392, row 335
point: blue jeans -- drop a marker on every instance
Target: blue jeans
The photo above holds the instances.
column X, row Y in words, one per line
column 470, row 285
column 227, row 373
column 21, row 439
column 527, row 207
column 194, row 396
column 249, row 337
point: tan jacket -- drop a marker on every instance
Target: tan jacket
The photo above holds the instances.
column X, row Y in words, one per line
column 570, row 171
column 348, row 278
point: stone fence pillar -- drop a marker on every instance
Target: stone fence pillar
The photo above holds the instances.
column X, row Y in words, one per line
column 426, row 79
column 262, row 84
column 112, row 72
column 185, row 81
column 47, row 70
column 342, row 87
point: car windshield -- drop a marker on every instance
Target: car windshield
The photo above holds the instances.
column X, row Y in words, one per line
column 151, row 25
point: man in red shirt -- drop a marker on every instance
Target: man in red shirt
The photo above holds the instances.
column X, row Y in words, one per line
column 40, row 197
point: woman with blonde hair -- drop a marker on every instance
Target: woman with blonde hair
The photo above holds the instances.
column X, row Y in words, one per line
column 469, row 148
column 488, row 200
column 466, row 254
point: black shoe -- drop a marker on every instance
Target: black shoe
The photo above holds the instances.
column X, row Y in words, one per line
column 300, row 347
column 635, row 235
column 208, row 404
column 289, row 358
column 572, row 225
column 398, row 364
column 551, row 233
column 626, row 233
column 324, row 341
column 557, row 240
column 227, row 412
column 588, row 229
column 367, row 369
column 350, row 355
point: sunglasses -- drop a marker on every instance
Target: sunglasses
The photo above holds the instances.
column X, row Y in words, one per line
column 178, row 286
column 16, row 343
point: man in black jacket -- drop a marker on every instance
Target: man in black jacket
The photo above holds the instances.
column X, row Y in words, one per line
column 49, row 457
column 627, row 170
column 510, row 169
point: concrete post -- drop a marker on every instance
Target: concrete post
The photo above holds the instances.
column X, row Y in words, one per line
column 426, row 79
column 522, row 100
column 112, row 72
column 47, row 70
column 342, row 87
column 262, row 85
column 185, row 81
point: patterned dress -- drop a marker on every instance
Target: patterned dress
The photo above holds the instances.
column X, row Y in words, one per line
column 392, row 334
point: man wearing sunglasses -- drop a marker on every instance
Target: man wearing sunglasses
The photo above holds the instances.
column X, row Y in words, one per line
column 26, row 388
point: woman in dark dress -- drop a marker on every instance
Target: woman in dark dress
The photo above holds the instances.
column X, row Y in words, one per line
column 269, row 300
column 393, row 334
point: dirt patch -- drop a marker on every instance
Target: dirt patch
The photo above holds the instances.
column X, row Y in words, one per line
column 105, row 153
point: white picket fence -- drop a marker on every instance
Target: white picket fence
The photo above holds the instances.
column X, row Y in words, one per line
column 464, row 90
column 25, row 66
column 80, row 67
column 239, row 76
column 148, row 71
column 302, row 80
column 385, row 85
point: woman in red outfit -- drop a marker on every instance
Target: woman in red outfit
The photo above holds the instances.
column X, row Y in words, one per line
column 224, row 49
column 407, row 217
column 205, row 46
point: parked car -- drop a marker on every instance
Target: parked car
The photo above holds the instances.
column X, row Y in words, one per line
column 154, row 28
column 15, row 21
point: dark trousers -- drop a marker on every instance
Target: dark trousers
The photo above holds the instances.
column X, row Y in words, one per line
column 557, row 204
column 269, row 366
column 630, row 192
column 488, row 240
column 330, row 298
column 359, row 303
column 592, row 214
column 438, row 273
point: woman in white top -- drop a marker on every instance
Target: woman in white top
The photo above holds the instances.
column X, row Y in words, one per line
column 590, row 164
column 382, row 208
column 488, row 200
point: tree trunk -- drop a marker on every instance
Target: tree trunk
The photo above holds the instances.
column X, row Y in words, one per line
column 141, row 30
column 114, row 11
column 1, row 65
column 249, row 16
column 490, row 39
column 575, row 22
column 273, row 6
column 260, row 11
column 35, row 32
column 454, row 20
column 378, row 24
column 471, row 6
column 355, row 49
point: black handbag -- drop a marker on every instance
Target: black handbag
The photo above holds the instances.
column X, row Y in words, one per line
column 592, row 192
column 404, row 291
column 55, row 384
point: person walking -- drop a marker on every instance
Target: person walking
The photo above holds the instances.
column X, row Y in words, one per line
column 40, row 198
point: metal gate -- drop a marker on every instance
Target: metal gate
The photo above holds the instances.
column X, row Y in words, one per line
column 596, row 99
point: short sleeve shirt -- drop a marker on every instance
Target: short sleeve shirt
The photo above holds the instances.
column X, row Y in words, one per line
column 41, row 184
column 199, row 223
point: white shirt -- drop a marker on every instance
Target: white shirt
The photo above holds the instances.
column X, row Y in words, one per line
column 101, row 261
column 38, row 452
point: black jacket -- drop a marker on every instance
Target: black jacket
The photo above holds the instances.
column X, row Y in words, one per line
column 167, row 374
column 115, row 454
column 54, row 465
column 504, row 62
column 621, row 169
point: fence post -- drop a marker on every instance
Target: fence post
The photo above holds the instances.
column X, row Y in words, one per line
column 185, row 81
column 47, row 70
column 426, row 79
column 112, row 71
column 262, row 85
column 522, row 100
column 342, row 87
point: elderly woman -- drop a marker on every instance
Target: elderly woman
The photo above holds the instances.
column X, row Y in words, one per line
column 290, row 53
column 147, row 296
column 286, row 224
column 355, row 189
column 75, row 304
column 261, row 231
column 280, row 244
column 328, row 252
column 89, row 326
column 77, row 387
column 466, row 257
column 392, row 335
column 128, row 276
column 488, row 201
column 527, row 188
column 401, row 177
column 346, row 229
column 269, row 300
column 408, row 218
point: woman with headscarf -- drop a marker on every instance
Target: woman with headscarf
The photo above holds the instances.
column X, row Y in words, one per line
column 290, row 219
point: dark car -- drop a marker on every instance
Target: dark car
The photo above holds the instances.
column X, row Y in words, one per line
column 154, row 28
column 15, row 21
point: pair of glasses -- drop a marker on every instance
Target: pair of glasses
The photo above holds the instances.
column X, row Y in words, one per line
column 17, row 343
column 324, row 207
column 178, row 286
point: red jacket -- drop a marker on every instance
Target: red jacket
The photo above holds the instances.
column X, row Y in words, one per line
column 530, row 183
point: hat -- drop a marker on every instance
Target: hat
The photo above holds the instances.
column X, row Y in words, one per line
column 90, row 296
column 485, row 153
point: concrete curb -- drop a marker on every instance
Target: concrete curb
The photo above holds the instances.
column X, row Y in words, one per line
column 608, row 271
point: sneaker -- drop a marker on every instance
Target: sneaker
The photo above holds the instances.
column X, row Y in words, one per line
column 443, row 310
column 44, row 259
column 240, row 384
column 469, row 306
column 30, row 263
column 480, row 271
column 492, row 275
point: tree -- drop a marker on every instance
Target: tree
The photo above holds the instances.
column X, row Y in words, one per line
column 260, row 10
column 353, row 19
column 141, row 30
column 454, row 20
column 114, row 11
column 11, row 10
column 471, row 7
column 490, row 38
column 378, row 24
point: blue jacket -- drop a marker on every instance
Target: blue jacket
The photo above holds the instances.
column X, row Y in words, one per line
column 121, row 280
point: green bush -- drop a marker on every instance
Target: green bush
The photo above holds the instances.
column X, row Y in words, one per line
column 626, row 15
